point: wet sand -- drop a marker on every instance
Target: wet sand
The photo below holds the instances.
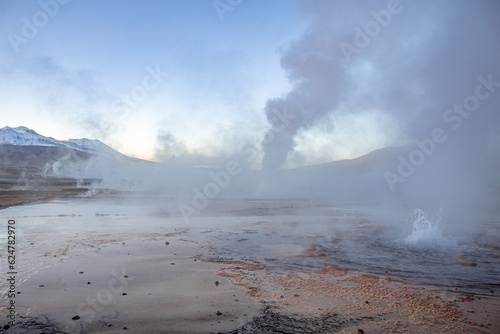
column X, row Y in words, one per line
column 118, row 289
column 171, row 280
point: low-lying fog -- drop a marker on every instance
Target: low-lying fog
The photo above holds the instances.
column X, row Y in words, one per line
column 290, row 234
column 432, row 70
column 438, row 81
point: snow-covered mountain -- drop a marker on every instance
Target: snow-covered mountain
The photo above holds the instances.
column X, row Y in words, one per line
column 22, row 136
column 24, row 150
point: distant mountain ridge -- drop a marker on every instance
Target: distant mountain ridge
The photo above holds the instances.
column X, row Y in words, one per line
column 24, row 149
column 23, row 136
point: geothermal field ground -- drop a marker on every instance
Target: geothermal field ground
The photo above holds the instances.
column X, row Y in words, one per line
column 128, row 262
column 230, row 166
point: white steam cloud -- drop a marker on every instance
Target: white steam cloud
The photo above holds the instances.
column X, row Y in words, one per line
column 410, row 61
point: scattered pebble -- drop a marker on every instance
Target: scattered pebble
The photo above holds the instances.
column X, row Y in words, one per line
column 76, row 317
column 218, row 313
column 167, row 243
column 216, row 283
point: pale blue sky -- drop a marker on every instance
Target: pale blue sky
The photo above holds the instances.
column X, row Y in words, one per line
column 220, row 72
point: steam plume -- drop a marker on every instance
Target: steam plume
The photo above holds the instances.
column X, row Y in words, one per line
column 424, row 58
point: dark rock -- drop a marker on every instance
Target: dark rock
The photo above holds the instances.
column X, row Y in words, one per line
column 272, row 322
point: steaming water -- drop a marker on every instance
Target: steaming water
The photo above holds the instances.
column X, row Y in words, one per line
column 273, row 232
column 425, row 232
column 368, row 239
